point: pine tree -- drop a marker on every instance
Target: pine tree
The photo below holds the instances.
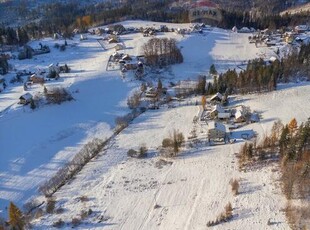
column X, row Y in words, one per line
column 213, row 70
column 16, row 217
column 284, row 140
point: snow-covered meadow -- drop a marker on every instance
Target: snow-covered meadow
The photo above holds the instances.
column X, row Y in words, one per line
column 121, row 191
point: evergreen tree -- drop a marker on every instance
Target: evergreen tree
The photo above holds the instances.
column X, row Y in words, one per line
column 213, row 70
column 16, row 217
column 201, row 86
column 284, row 140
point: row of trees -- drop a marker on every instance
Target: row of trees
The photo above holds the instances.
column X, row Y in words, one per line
column 11, row 36
column 271, row 21
column 64, row 17
column 162, row 52
column 291, row 145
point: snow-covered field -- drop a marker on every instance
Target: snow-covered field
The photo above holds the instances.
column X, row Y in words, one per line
column 194, row 189
column 190, row 192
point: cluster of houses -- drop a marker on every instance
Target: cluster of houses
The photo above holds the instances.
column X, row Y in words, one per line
column 215, row 115
column 298, row 35
column 40, row 77
column 128, row 63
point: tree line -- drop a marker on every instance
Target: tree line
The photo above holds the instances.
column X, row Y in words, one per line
column 261, row 76
column 63, row 18
column 290, row 146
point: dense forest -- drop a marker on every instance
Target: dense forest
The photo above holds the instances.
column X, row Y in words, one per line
column 261, row 76
column 63, row 18
column 162, row 52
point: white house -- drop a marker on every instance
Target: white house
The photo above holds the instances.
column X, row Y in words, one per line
column 216, row 130
column 239, row 117
column 216, row 110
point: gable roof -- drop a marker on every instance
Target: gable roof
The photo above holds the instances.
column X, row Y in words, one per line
column 26, row 96
column 238, row 114
column 218, row 108
column 217, row 95
column 217, row 126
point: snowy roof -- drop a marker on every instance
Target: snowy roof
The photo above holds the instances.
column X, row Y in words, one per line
column 238, row 114
column 26, row 96
column 223, row 115
column 301, row 27
column 217, row 126
column 220, row 96
column 218, row 108
column 272, row 59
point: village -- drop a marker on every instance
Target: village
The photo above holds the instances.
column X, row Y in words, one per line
column 134, row 68
column 98, row 87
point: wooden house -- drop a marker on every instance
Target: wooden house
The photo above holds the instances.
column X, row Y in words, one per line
column 217, row 98
column 36, row 80
column 216, row 131
column 25, row 99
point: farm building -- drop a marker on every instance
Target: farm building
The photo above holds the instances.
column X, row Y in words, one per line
column 216, row 130
column 25, row 99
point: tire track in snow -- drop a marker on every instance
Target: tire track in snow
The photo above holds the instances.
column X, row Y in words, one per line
column 195, row 203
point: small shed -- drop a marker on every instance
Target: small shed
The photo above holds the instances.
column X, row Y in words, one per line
column 112, row 40
column 25, row 99
column 118, row 47
column 126, row 57
column 216, row 130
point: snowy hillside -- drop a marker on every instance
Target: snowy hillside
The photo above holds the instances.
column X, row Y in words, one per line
column 186, row 192
column 122, row 193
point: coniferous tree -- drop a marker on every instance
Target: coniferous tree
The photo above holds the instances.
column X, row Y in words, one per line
column 213, row 70
column 16, row 219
